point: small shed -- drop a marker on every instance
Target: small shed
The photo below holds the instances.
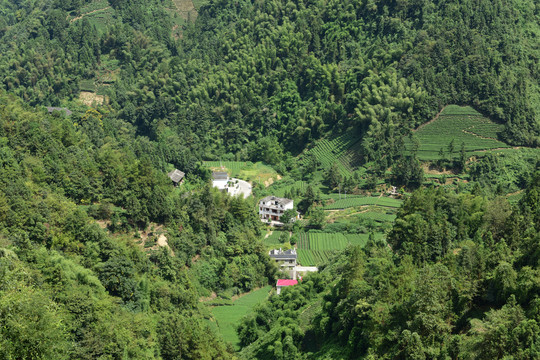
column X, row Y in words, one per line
column 285, row 282
column 176, row 176
column 51, row 109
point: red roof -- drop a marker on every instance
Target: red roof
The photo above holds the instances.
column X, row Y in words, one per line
column 286, row 282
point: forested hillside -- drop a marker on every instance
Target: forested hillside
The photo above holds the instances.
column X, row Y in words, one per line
column 101, row 257
column 70, row 289
column 287, row 70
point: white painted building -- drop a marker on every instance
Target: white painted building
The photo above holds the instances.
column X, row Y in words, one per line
column 220, row 179
column 272, row 207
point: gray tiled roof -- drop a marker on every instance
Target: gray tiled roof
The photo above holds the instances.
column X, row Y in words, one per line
column 274, row 199
column 54, row 108
column 283, row 255
column 176, row 175
column 220, row 175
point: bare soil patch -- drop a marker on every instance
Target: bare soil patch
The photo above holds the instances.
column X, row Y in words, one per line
column 89, row 98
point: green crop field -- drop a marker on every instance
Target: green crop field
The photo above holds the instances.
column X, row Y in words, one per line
column 352, row 201
column 284, row 186
column 377, row 216
column 245, row 170
column 316, row 248
column 229, row 165
column 273, row 239
column 322, row 241
column 362, row 239
column 313, row 257
column 227, row 317
column 462, row 125
column 341, row 150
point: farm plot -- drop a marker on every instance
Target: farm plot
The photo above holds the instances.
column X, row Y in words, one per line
column 362, row 201
column 362, row 239
column 316, row 248
column 227, row 317
column 274, row 238
column 230, row 165
column 322, row 241
column 313, row 257
column 455, row 126
column 341, row 150
column 245, row 170
column 377, row 216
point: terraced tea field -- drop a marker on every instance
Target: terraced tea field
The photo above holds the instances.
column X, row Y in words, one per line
column 462, row 124
column 316, row 248
column 362, row 239
column 355, row 200
column 341, row 150
column 227, row 317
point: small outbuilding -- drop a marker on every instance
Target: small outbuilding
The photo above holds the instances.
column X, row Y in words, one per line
column 66, row 111
column 283, row 283
column 220, row 179
column 176, row 176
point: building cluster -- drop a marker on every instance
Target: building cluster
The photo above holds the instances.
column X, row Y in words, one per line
column 271, row 209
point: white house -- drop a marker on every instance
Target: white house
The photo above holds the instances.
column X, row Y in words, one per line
column 220, row 179
column 272, row 207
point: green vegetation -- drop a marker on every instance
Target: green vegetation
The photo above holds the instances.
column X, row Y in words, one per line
column 315, row 249
column 340, row 150
column 255, row 172
column 352, row 201
column 228, row 317
column 102, row 258
column 75, row 289
column 456, row 126
column 276, row 239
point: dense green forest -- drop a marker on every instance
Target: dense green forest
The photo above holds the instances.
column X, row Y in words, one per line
column 328, row 94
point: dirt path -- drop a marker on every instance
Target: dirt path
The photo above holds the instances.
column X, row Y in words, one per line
column 432, row 120
column 478, row 136
column 514, row 193
column 499, row 148
column 91, row 12
column 267, row 235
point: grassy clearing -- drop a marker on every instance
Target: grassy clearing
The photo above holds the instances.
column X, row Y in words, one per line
column 355, row 200
column 460, row 125
column 199, row 3
column 227, row 317
column 245, row 170
column 273, row 239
